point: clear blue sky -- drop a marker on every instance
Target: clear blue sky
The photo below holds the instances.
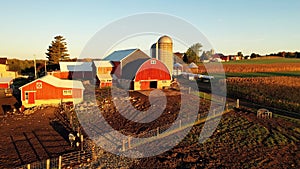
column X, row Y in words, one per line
column 260, row 26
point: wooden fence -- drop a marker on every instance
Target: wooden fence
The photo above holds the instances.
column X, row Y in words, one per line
column 72, row 159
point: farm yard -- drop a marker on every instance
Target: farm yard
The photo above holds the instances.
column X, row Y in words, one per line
column 240, row 139
column 29, row 138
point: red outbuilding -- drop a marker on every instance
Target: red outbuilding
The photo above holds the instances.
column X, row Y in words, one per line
column 152, row 74
column 51, row 90
column 5, row 82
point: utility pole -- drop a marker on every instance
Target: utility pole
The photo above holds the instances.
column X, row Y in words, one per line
column 35, row 73
column 45, row 67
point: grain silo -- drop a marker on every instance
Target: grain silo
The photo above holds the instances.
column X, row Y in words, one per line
column 165, row 52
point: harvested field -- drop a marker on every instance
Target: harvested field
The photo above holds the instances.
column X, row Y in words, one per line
column 250, row 68
column 278, row 92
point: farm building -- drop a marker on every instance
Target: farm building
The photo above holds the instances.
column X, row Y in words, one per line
column 74, row 70
column 4, row 69
column 193, row 68
column 103, row 73
column 126, row 60
column 51, row 90
column 177, row 69
column 152, row 74
column 5, row 82
column 163, row 51
column 133, row 69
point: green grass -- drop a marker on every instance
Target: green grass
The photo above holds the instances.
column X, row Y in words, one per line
column 263, row 74
column 264, row 61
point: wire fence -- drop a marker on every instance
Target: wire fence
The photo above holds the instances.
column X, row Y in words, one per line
column 64, row 161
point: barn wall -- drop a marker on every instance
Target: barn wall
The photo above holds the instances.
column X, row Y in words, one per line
column 52, row 102
column 145, row 85
column 4, row 85
column 116, row 69
column 104, row 70
column 50, row 92
column 152, row 72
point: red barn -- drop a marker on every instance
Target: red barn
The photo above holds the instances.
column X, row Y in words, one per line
column 152, row 74
column 5, row 82
column 51, row 90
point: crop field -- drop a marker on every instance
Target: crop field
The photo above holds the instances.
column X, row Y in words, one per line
column 258, row 66
column 278, row 91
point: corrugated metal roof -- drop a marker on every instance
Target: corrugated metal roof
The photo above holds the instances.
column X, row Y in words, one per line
column 75, row 66
column 103, row 63
column 59, row 82
column 119, row 55
column 6, row 79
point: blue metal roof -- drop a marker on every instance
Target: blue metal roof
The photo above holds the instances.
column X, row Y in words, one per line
column 119, row 55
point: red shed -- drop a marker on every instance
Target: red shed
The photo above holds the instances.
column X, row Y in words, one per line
column 5, row 82
column 152, row 74
column 51, row 90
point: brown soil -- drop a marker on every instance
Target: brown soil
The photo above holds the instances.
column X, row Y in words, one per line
column 29, row 138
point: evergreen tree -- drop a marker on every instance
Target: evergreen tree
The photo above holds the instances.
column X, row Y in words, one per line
column 57, row 51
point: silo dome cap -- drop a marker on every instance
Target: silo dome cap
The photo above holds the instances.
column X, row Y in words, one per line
column 165, row 39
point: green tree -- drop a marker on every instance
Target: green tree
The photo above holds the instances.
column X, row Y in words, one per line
column 57, row 51
column 240, row 54
column 192, row 54
column 206, row 55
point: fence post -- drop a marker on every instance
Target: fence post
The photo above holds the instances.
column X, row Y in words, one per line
column 157, row 131
column 48, row 164
column 227, row 107
column 59, row 162
column 237, row 103
column 81, row 141
column 78, row 157
column 123, row 146
column 129, row 142
column 28, row 166
column 94, row 154
column 179, row 124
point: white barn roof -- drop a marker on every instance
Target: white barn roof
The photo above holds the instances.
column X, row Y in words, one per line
column 75, row 66
column 6, row 79
column 178, row 65
column 103, row 63
column 59, row 82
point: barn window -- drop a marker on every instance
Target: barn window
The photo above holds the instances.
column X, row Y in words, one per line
column 26, row 95
column 153, row 62
column 67, row 92
column 39, row 85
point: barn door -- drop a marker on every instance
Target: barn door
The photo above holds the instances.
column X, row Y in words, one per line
column 30, row 97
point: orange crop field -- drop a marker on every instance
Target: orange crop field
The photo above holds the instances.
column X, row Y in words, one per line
column 246, row 68
column 279, row 92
